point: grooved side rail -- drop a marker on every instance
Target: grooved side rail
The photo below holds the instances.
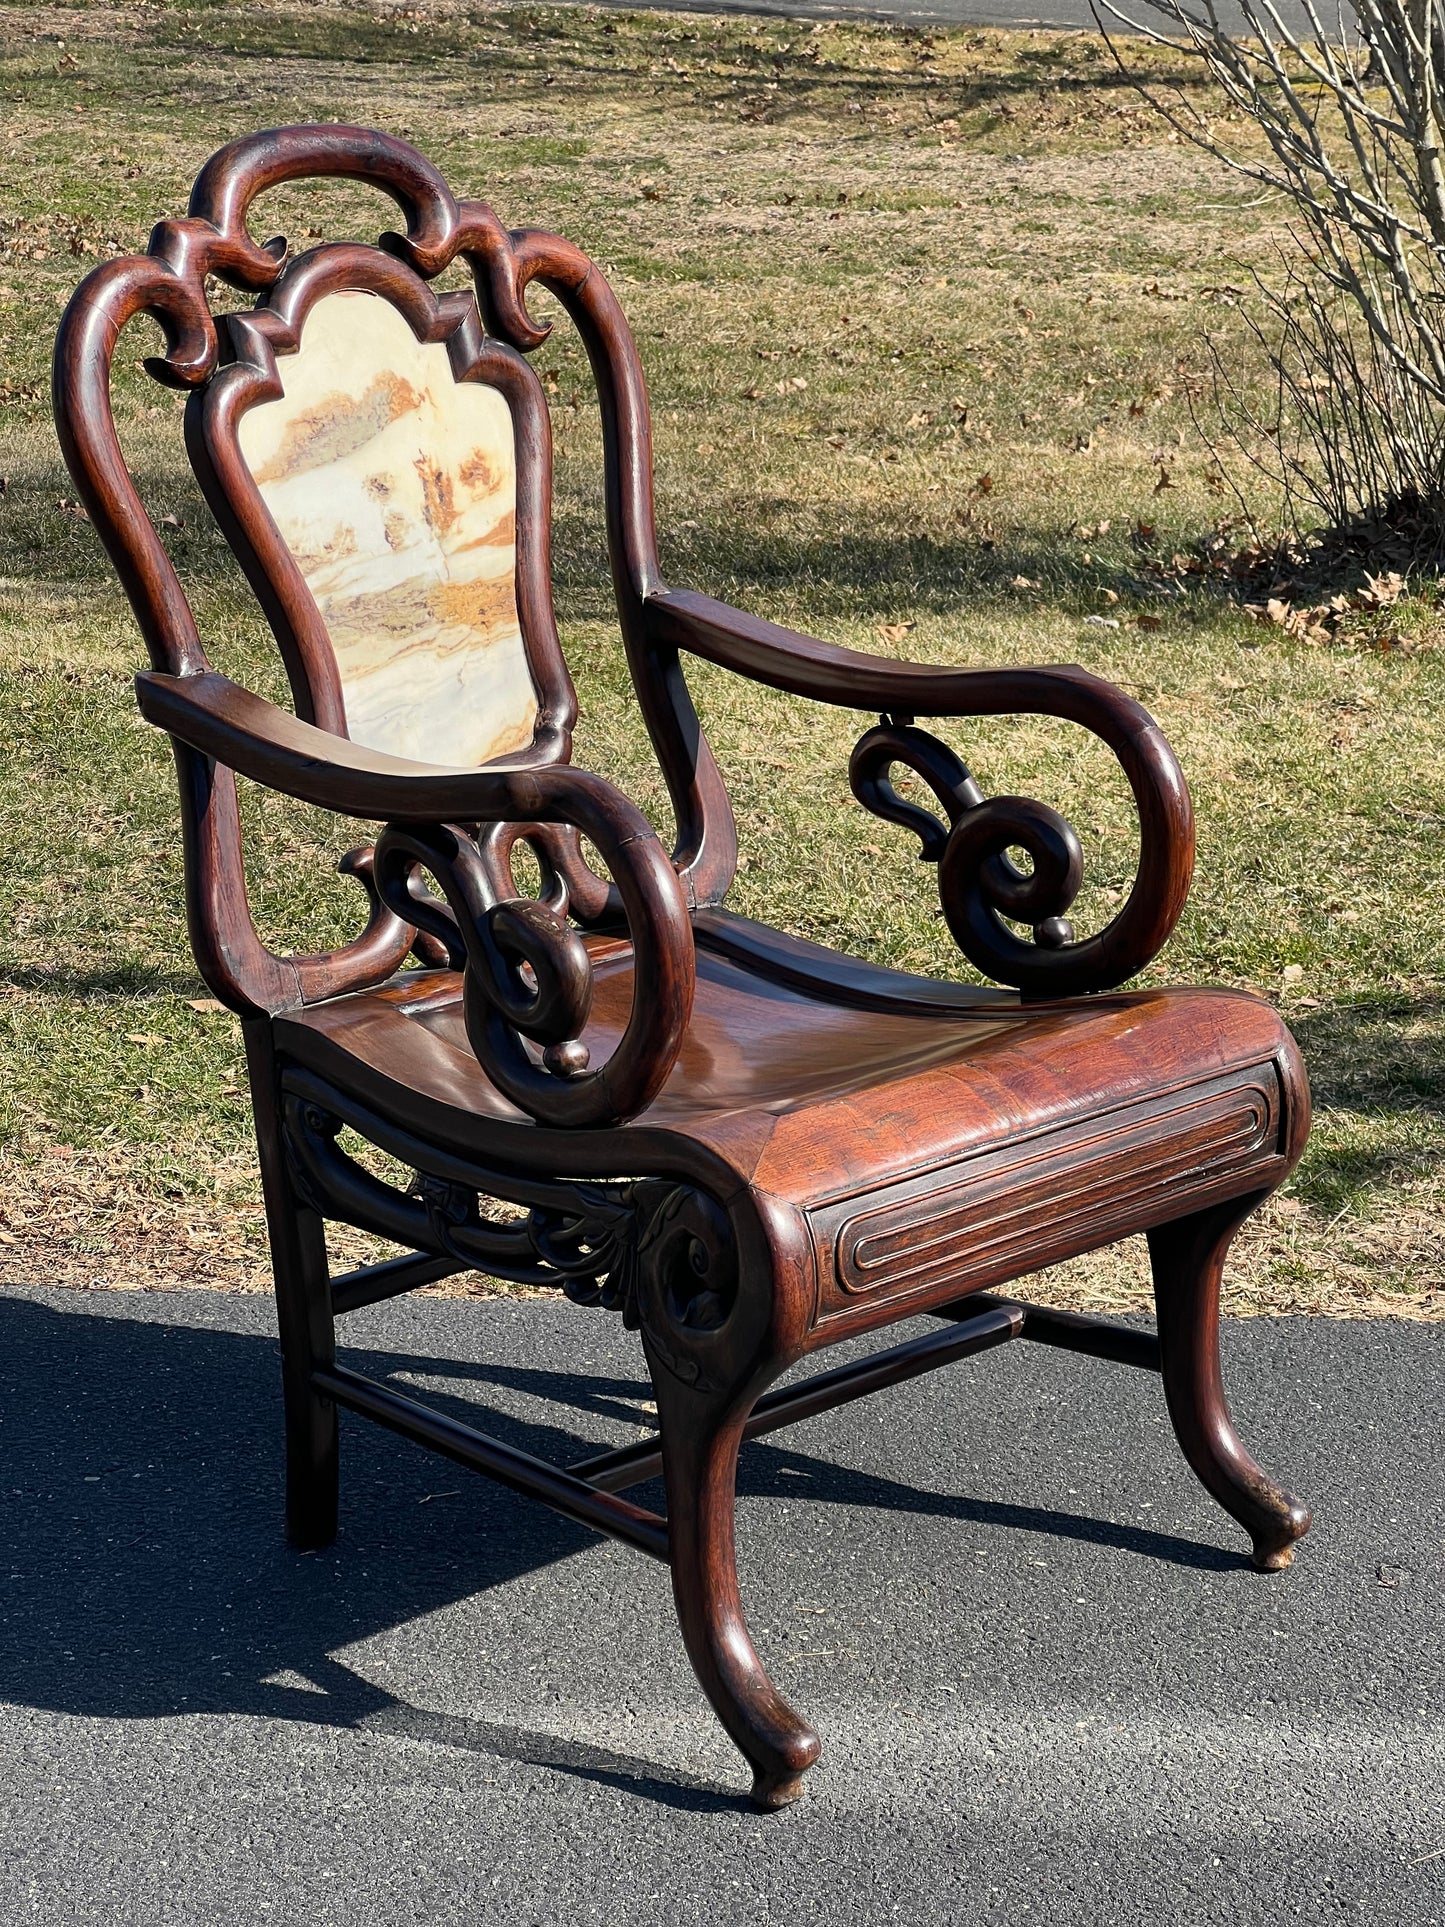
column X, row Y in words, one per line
column 563, row 1491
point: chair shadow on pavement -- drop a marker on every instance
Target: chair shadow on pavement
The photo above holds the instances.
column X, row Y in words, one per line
column 145, row 1574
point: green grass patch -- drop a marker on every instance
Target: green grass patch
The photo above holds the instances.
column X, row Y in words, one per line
column 922, row 315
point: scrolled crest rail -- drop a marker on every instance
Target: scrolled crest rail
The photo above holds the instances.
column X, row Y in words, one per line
column 169, row 283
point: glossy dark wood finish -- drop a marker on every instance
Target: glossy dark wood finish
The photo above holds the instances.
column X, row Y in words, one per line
column 304, row 1312
column 373, row 1284
column 972, row 843
column 745, row 1146
column 566, row 1494
column 977, row 1331
column 1072, row 1331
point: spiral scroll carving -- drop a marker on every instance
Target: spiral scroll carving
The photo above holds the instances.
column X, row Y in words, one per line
column 981, row 888
column 170, row 283
column 528, row 975
column 528, row 978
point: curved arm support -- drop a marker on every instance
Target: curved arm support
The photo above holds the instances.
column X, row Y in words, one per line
column 168, row 283
column 528, row 973
column 981, row 889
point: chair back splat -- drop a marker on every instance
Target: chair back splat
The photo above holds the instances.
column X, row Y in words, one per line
column 746, row 1146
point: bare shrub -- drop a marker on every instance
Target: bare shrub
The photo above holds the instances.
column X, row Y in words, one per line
column 1352, row 114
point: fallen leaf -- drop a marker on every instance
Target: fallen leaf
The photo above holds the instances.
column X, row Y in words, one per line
column 1293, row 972
column 1149, row 622
column 204, row 1004
column 143, row 1037
column 895, row 631
column 1381, row 590
column 1023, row 582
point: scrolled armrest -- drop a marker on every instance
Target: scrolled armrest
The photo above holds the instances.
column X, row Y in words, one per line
column 528, row 973
column 981, row 889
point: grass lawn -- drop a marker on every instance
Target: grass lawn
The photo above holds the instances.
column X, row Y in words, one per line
column 923, row 320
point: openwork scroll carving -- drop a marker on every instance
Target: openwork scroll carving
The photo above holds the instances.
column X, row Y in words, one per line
column 661, row 1254
column 528, row 982
column 979, row 884
column 981, row 889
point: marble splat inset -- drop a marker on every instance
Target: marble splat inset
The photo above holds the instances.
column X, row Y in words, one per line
column 394, row 486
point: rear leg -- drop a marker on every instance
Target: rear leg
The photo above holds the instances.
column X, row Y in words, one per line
column 303, row 1314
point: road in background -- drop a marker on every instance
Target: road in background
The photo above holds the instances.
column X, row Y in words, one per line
column 1067, row 15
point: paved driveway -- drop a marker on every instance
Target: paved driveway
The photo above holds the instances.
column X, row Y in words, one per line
column 1074, row 15
column 1048, row 1686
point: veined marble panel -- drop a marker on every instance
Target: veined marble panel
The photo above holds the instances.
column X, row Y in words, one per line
column 395, row 488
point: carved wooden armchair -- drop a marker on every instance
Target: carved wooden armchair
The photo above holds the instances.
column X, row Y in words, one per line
column 745, row 1145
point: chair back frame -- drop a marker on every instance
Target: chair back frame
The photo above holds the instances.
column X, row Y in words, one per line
column 226, row 362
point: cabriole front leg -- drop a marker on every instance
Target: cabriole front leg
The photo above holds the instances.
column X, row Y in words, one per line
column 1188, row 1262
column 707, row 1289
column 701, row 1434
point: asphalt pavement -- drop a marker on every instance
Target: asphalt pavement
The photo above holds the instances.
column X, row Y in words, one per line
column 1049, row 1687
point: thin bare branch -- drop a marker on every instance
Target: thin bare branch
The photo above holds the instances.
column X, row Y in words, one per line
column 1353, row 329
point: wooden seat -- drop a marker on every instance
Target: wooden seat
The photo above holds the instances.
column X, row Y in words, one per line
column 912, row 1146
column 747, row 1146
